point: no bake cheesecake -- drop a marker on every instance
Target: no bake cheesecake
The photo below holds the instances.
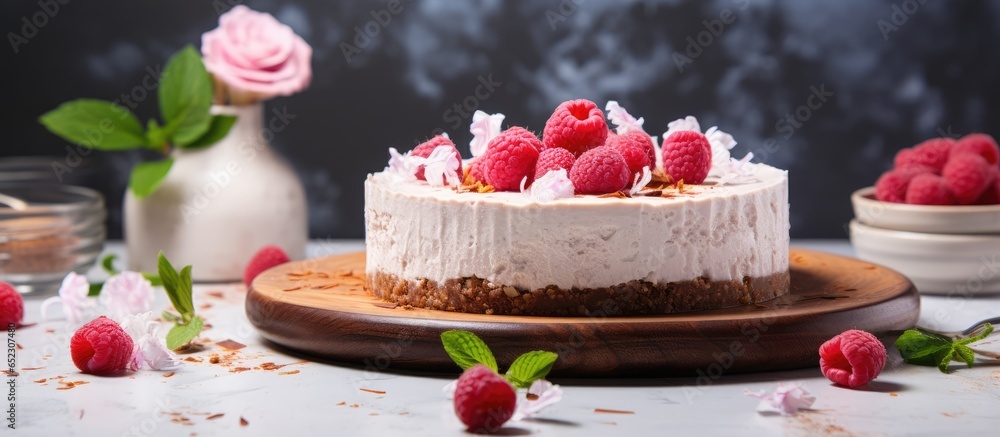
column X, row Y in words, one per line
column 656, row 245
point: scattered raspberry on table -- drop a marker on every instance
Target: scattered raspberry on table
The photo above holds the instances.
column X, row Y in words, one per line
column 483, row 399
column 264, row 259
column 852, row 358
column 101, row 347
column 11, row 306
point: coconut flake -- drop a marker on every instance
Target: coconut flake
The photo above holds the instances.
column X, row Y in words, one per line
column 786, row 399
column 682, row 124
column 622, row 120
column 554, row 185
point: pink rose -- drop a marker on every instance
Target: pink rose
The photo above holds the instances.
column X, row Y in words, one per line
column 255, row 54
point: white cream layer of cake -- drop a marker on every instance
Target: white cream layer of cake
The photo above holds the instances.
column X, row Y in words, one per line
column 416, row 231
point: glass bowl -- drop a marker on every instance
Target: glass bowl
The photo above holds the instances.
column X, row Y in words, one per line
column 62, row 230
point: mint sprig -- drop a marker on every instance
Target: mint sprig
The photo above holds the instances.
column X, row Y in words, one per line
column 925, row 348
column 466, row 349
column 179, row 289
column 185, row 97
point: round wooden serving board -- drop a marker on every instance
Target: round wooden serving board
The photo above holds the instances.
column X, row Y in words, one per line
column 320, row 307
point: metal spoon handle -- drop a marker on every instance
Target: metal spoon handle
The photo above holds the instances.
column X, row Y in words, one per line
column 13, row 202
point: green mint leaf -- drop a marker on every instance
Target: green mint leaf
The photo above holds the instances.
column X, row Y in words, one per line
column 156, row 136
column 185, row 97
column 177, row 286
column 964, row 354
column 147, row 176
column 944, row 360
column 919, row 347
column 108, row 263
column 217, row 130
column 984, row 332
column 95, row 289
column 93, row 123
column 530, row 367
column 467, row 350
column 169, row 316
column 181, row 335
column 153, row 279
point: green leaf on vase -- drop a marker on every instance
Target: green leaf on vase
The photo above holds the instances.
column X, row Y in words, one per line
column 185, row 95
column 99, row 124
column 217, row 130
column 147, row 176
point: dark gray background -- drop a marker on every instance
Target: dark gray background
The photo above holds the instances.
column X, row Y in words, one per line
column 936, row 72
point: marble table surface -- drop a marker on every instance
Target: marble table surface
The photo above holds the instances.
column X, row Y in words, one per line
column 306, row 398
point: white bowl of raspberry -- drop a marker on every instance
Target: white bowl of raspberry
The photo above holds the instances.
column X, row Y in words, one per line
column 935, row 216
column 939, row 219
column 948, row 264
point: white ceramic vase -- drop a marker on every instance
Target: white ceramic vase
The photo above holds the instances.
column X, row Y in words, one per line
column 221, row 204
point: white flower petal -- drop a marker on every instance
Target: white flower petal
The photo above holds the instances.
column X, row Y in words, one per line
column 449, row 390
column 622, row 120
column 553, row 185
column 484, row 128
column 441, row 167
column 544, row 392
column 149, row 349
column 403, row 167
column 682, row 124
column 786, row 399
column 642, row 179
column 127, row 293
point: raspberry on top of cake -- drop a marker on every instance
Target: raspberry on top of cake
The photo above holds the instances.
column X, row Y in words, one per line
column 585, row 219
column 596, row 160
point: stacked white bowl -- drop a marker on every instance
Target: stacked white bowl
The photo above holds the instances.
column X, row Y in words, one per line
column 952, row 250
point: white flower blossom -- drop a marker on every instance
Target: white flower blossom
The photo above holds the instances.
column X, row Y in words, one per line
column 682, row 124
column 403, row 167
column 442, row 167
column 786, row 399
column 622, row 120
column 541, row 394
column 554, row 185
column 149, row 350
column 73, row 295
column 127, row 293
column 484, row 128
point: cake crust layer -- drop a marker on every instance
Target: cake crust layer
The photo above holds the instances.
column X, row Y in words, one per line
column 475, row 295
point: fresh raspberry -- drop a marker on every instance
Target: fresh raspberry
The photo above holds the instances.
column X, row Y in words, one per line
column 978, row 144
column 991, row 196
column 968, row 176
column 476, row 170
column 483, row 399
column 852, row 358
column 577, row 126
column 510, row 157
column 932, row 153
column 11, row 306
column 553, row 159
column 264, row 259
column 928, row 189
column 598, row 171
column 637, row 149
column 891, row 186
column 426, row 148
column 101, row 347
column 687, row 156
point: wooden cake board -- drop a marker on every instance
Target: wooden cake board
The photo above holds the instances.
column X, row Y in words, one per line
column 319, row 307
